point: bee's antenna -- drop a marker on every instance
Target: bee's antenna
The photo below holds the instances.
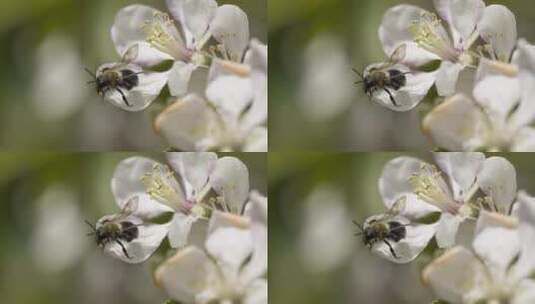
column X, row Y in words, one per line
column 92, row 227
column 90, row 73
column 358, row 73
column 358, row 226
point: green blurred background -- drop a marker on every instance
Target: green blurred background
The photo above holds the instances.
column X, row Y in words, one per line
column 360, row 125
column 45, row 255
column 45, row 102
column 313, row 255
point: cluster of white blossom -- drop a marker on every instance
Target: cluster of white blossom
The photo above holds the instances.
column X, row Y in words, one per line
column 466, row 196
column 198, row 34
column 216, row 226
column 485, row 77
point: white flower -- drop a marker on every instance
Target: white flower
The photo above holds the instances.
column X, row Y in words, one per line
column 159, row 39
column 499, row 267
column 231, row 268
column 501, row 114
column 425, row 190
column 234, row 115
column 427, row 39
column 185, row 190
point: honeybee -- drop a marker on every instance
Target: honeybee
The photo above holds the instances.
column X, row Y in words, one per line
column 119, row 76
column 117, row 228
column 383, row 228
column 384, row 76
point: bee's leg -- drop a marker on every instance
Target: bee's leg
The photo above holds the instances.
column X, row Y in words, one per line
column 124, row 249
column 124, row 97
column 391, row 249
column 391, row 97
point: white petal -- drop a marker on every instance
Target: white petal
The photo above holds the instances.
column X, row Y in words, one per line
column 126, row 181
column 141, row 248
column 230, row 247
column 446, row 78
column 179, row 77
column 148, row 208
column 447, row 230
column 197, row 15
column 257, row 208
column 456, row 125
column 443, row 8
column 394, row 184
column 407, row 249
column 126, row 31
column 258, row 265
column 488, row 67
column 193, row 167
column 524, row 292
column 524, row 140
column 185, row 275
column 230, row 179
column 461, row 168
column 488, row 219
column 257, row 141
column 498, row 180
column 256, row 293
column 497, row 247
column 230, row 94
column 456, row 275
column 231, row 28
column 498, row 28
column 525, row 59
column 408, row 96
column 498, row 95
column 186, row 123
column 394, row 31
column 526, row 230
column 220, row 219
column 179, row 230
column 465, row 15
column 256, row 58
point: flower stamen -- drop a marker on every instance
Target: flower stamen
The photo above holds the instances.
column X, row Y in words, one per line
column 429, row 34
column 429, row 185
column 162, row 186
column 159, row 33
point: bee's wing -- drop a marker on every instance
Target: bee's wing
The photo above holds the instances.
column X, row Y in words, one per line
column 131, row 54
column 397, row 207
column 398, row 54
column 128, row 209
